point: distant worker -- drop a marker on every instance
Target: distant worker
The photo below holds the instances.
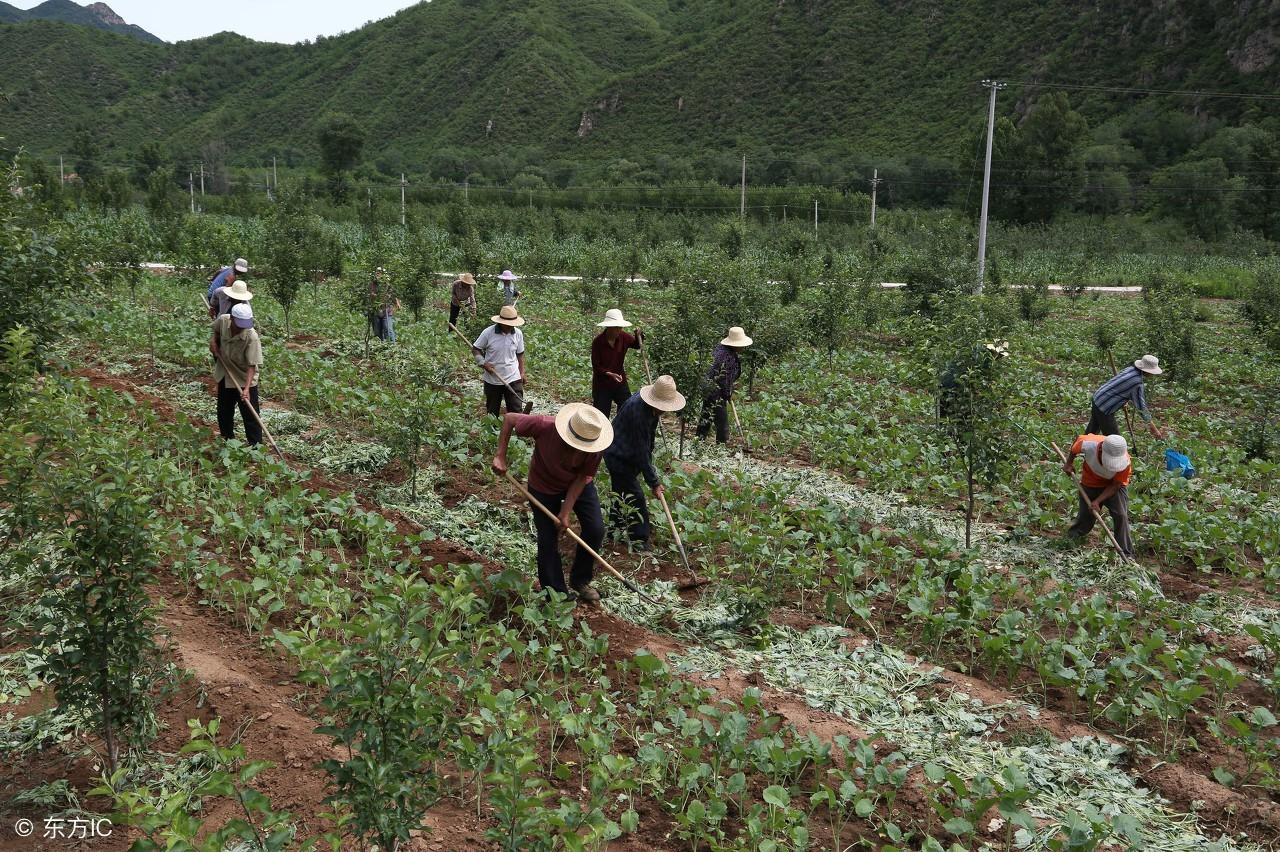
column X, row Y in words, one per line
column 726, row 367
column 1126, row 386
column 1105, row 478
column 382, row 306
column 237, row 359
column 631, row 455
column 499, row 350
column 608, row 351
column 566, row 456
column 226, row 277
column 510, row 294
column 464, row 295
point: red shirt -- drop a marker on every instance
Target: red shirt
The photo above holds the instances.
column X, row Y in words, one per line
column 555, row 464
column 608, row 359
column 1089, row 477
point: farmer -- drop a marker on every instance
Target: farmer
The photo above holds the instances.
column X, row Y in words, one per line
column 227, row 277
column 631, row 455
column 566, row 455
column 1126, row 386
column 500, row 351
column 962, row 375
column 464, row 295
column 1105, row 478
column 726, row 366
column 237, row 356
column 609, row 349
column 382, row 307
column 236, row 293
column 510, row 295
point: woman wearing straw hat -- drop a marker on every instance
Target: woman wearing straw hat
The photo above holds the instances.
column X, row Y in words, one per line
column 608, row 351
column 566, row 456
column 500, row 351
column 631, row 455
column 1125, row 387
column 510, row 295
column 1105, row 479
column 464, row 294
column 726, row 366
column 235, row 293
column 237, row 359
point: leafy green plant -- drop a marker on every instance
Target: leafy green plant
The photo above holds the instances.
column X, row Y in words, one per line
column 1169, row 326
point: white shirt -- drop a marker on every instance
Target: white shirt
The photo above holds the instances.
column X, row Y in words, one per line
column 500, row 350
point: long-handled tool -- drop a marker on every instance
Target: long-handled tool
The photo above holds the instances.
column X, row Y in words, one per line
column 537, row 504
column 526, row 406
column 738, row 423
column 1084, row 495
column 1128, row 418
column 694, row 581
column 265, row 431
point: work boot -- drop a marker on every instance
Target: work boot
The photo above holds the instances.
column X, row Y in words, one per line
column 587, row 593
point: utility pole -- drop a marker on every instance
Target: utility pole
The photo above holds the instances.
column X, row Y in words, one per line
column 62, row 172
column 275, row 176
column 875, row 182
column 266, row 180
column 402, row 186
column 994, row 86
column 784, row 214
column 742, row 204
column 815, row 217
column 191, row 184
column 202, row 179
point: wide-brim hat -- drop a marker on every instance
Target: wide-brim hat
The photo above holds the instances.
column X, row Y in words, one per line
column 467, row 278
column 239, row 291
column 663, row 395
column 508, row 316
column 1149, row 364
column 613, row 319
column 737, row 337
column 1115, row 453
column 583, row 427
column 507, row 275
column 241, row 265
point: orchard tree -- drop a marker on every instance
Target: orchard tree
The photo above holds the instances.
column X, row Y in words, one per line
column 291, row 247
column 341, row 141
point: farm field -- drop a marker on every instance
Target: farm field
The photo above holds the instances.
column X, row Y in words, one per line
column 361, row 615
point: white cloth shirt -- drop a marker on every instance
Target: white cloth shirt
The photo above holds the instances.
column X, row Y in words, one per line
column 500, row 350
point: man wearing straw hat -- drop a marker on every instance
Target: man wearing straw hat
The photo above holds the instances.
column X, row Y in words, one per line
column 1105, row 479
column 464, row 295
column 631, row 455
column 1125, row 387
column 226, row 276
column 726, row 366
column 237, row 358
column 566, row 456
column 510, row 295
column 608, row 351
column 500, row 351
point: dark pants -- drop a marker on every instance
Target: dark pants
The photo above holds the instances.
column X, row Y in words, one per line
column 1117, row 504
column 454, row 310
column 605, row 399
column 714, row 408
column 228, row 399
column 495, row 395
column 550, row 570
column 1101, row 423
column 629, row 510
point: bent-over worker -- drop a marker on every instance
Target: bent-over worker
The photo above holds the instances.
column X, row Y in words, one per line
column 726, row 367
column 225, row 277
column 237, row 354
column 566, row 456
column 1105, row 477
column 608, row 351
column 1125, row 387
column 463, row 295
column 500, row 351
column 631, row 455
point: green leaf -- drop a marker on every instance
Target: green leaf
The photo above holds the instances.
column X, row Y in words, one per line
column 777, row 796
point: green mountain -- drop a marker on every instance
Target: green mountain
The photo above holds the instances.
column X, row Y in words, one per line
column 96, row 15
column 674, row 87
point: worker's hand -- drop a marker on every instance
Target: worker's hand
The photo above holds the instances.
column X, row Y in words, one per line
column 563, row 520
column 1068, row 468
column 489, row 368
column 658, row 491
column 1157, row 431
column 1096, row 505
column 244, row 395
column 617, row 377
column 500, row 464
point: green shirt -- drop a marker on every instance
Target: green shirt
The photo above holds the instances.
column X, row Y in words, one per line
column 239, row 351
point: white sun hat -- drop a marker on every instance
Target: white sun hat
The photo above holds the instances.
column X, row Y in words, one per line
column 508, row 316
column 506, row 275
column 1115, row 453
column 583, row 427
column 239, row 291
column 242, row 316
column 613, row 319
column 1149, row 364
column 737, row 337
column 663, row 395
column 241, row 265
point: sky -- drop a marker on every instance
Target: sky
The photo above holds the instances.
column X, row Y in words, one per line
column 263, row 20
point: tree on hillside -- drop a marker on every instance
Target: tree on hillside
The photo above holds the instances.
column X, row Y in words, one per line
column 341, row 140
column 1039, row 163
column 1197, row 193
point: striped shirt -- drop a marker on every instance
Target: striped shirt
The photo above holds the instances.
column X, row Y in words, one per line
column 1125, row 387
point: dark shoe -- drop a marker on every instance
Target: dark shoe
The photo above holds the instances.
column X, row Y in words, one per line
column 587, row 593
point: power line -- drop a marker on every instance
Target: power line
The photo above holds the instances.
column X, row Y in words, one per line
column 1128, row 90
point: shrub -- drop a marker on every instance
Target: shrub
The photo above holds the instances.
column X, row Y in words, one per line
column 1261, row 306
column 1169, row 317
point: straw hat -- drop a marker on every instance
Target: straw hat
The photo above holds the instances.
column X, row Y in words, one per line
column 506, row 276
column 1115, row 453
column 508, row 316
column 239, row 291
column 663, row 395
column 613, row 319
column 737, row 337
column 1149, row 364
column 241, row 266
column 583, row 427
column 467, row 278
